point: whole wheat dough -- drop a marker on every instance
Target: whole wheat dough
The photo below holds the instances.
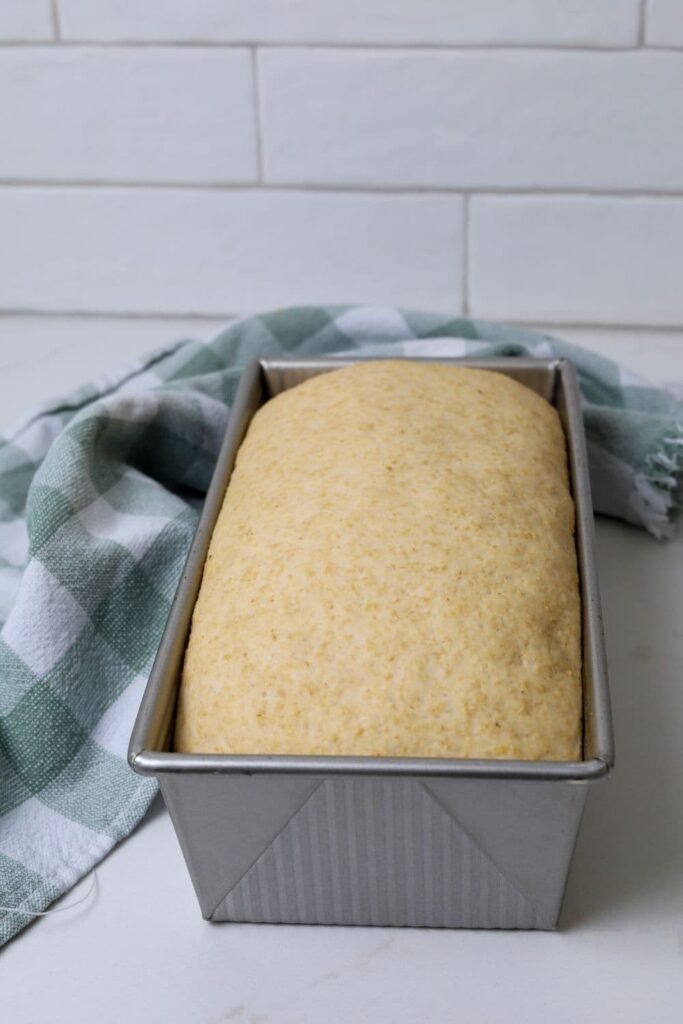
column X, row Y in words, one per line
column 392, row 573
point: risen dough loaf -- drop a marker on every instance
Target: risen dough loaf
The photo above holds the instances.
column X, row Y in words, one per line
column 392, row 573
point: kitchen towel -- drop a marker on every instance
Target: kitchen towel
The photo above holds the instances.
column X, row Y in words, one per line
column 99, row 497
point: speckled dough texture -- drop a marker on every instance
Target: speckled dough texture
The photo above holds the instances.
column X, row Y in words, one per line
column 393, row 573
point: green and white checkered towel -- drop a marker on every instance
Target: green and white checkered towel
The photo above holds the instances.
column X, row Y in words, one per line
column 99, row 496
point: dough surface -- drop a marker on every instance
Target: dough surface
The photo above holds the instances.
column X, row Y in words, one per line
column 393, row 573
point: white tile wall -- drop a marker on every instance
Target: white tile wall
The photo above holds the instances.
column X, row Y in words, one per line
column 70, row 349
column 583, row 259
column 412, row 22
column 651, row 353
column 188, row 251
column 665, row 23
column 25, row 20
column 146, row 114
column 473, row 120
column 518, row 159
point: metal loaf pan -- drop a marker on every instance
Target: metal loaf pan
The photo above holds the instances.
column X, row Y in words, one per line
column 377, row 841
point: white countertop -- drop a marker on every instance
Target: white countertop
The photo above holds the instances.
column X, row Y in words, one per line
column 138, row 950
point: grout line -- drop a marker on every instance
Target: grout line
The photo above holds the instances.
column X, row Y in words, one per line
column 545, row 323
column 642, row 17
column 425, row 48
column 306, row 188
column 111, row 183
column 560, row 191
column 82, row 314
column 54, row 18
column 591, row 325
column 465, row 283
column 256, row 97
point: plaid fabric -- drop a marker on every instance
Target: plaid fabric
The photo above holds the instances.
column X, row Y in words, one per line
column 99, row 497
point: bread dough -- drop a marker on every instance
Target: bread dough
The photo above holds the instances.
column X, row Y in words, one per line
column 393, row 573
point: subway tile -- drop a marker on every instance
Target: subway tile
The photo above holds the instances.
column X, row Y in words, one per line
column 655, row 355
column 577, row 259
column 664, row 23
column 218, row 252
column 146, row 114
column 473, row 120
column 73, row 350
column 438, row 22
column 25, row 21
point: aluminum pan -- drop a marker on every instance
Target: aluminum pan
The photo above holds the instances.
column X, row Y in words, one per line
column 555, row 380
